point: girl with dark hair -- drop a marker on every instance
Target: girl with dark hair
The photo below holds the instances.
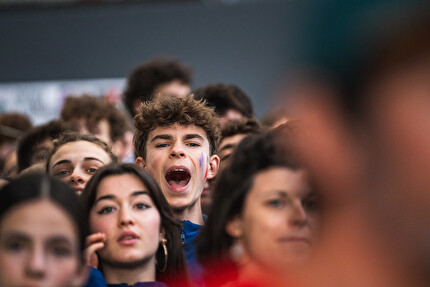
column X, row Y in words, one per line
column 42, row 234
column 134, row 232
column 263, row 219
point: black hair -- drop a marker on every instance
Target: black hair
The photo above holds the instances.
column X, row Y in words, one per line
column 269, row 149
column 225, row 97
column 34, row 187
column 176, row 267
column 30, row 149
column 145, row 78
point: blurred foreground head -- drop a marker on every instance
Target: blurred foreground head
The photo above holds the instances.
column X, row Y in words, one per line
column 370, row 159
column 42, row 234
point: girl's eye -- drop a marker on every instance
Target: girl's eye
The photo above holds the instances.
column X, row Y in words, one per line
column 92, row 170
column 277, row 203
column 106, row 210
column 309, row 204
column 142, row 206
column 61, row 251
column 15, row 246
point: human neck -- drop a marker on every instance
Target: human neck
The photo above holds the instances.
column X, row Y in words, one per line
column 191, row 213
column 142, row 273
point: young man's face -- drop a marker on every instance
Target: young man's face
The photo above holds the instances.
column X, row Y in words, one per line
column 179, row 159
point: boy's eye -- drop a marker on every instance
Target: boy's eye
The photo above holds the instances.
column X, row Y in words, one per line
column 62, row 173
column 142, row 206
column 161, row 145
column 106, row 210
column 194, row 144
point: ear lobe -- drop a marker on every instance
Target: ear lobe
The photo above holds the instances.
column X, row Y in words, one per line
column 234, row 227
column 140, row 162
column 162, row 232
column 213, row 166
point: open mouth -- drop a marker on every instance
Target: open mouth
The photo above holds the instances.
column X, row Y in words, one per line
column 178, row 177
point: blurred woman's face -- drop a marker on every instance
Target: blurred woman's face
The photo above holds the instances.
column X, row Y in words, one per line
column 125, row 213
column 39, row 246
column 277, row 226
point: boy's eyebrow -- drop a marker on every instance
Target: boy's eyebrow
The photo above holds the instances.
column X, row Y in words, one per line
column 66, row 161
column 61, row 162
column 193, row 136
column 162, row 137
column 93, row 158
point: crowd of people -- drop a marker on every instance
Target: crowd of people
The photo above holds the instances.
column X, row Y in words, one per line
column 188, row 188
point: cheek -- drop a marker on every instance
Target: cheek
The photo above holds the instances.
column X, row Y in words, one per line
column 261, row 228
column 104, row 225
column 152, row 222
column 11, row 268
column 203, row 166
column 63, row 273
column 154, row 164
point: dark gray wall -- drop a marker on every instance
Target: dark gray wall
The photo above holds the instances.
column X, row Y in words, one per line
column 247, row 44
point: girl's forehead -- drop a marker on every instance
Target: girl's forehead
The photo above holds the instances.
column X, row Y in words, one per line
column 122, row 186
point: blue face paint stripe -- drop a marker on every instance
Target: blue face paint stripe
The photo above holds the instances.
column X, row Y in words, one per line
column 201, row 160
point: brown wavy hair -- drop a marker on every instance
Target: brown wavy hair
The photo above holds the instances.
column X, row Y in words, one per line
column 166, row 111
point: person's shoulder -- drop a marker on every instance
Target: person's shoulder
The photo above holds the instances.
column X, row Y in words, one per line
column 96, row 278
column 150, row 284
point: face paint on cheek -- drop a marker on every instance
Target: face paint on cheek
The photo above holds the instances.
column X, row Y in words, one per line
column 207, row 166
column 203, row 163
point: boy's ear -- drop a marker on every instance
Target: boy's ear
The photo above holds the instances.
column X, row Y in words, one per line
column 213, row 166
column 140, row 162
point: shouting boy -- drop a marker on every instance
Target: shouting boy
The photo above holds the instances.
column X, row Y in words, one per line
column 176, row 141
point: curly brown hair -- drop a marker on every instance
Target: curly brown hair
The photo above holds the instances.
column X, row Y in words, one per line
column 13, row 125
column 223, row 97
column 92, row 110
column 166, row 111
column 70, row 136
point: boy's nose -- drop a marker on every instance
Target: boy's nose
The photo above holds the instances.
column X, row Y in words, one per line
column 177, row 151
column 77, row 177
